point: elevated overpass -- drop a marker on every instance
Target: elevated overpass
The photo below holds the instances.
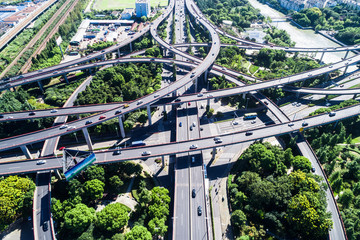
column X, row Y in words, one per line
column 103, row 157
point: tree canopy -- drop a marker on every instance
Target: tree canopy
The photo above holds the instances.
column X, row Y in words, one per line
column 112, row 218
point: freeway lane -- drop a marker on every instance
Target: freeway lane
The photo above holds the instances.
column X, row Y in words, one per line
column 24, row 139
column 104, row 157
column 216, row 70
column 13, row 142
column 337, row 232
column 149, row 99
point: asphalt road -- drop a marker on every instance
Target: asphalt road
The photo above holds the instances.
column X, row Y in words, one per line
column 183, row 146
column 337, row 232
column 41, row 211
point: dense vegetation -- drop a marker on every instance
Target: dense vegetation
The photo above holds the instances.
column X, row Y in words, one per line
column 17, row 101
column 278, row 37
column 16, row 195
column 271, row 189
column 240, row 12
column 341, row 163
column 73, row 205
column 340, row 18
column 122, row 83
column 343, row 104
column 51, row 55
column 14, row 47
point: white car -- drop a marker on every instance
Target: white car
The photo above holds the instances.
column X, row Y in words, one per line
column 254, row 121
column 53, row 111
column 193, row 146
column 39, row 162
column 71, row 128
column 235, row 123
column 63, row 127
column 146, row 153
column 200, row 95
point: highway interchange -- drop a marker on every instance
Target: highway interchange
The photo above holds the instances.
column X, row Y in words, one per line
column 186, row 115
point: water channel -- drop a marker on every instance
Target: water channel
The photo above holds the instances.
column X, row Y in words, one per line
column 302, row 38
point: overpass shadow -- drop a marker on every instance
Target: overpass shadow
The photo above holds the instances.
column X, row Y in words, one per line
column 218, row 171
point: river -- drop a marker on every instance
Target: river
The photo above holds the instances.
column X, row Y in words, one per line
column 302, row 38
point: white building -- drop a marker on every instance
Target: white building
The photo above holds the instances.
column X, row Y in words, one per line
column 298, row 5
column 142, row 8
column 127, row 13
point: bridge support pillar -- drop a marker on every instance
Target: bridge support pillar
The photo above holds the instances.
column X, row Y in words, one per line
column 87, row 139
column 322, row 56
column 149, row 114
column 66, row 79
column 122, row 130
column 57, row 174
column 164, row 52
column 244, row 95
column 163, row 161
column 206, row 75
column 26, row 152
column 118, row 51
column 346, row 68
column 327, row 76
column 297, row 95
column 213, row 153
column 208, row 103
column 90, row 71
column 346, row 54
column 40, row 86
column 354, row 96
column 130, row 47
column 196, row 85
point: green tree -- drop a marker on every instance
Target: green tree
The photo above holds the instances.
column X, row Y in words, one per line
column 158, row 226
column 93, row 189
column 238, row 218
column 95, row 172
column 346, row 198
column 15, row 198
column 75, row 188
column 301, row 163
column 306, row 220
column 115, row 183
column 138, row 233
column 112, row 218
column 79, row 218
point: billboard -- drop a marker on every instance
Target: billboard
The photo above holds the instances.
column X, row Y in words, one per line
column 75, row 161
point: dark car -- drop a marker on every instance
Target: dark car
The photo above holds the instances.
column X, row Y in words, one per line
column 31, row 113
column 313, row 169
column 177, row 100
column 304, row 124
column 248, row 133
column 117, row 151
column 88, row 122
column 1, row 116
column 193, row 193
column 199, row 210
column 118, row 112
column 45, row 226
